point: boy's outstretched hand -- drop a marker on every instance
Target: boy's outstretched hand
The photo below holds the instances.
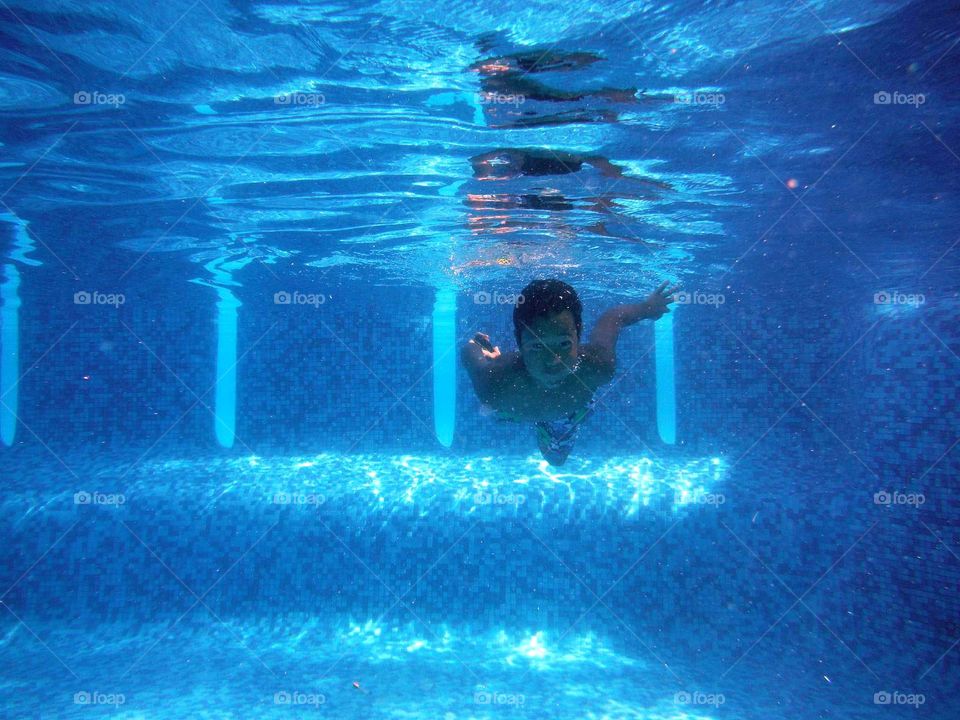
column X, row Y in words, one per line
column 489, row 351
column 659, row 300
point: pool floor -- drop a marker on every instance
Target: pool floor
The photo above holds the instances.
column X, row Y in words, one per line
column 204, row 668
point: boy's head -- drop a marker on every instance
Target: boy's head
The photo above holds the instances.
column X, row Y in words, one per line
column 547, row 325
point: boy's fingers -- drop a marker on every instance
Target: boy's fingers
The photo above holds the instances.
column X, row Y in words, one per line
column 662, row 286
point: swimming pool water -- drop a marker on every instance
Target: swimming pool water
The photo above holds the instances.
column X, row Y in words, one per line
column 244, row 476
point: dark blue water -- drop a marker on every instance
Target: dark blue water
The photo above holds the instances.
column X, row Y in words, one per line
column 244, row 476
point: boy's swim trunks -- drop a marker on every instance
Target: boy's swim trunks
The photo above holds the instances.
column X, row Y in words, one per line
column 560, row 435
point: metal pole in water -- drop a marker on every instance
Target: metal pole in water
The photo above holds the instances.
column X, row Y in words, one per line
column 666, row 379
column 445, row 364
column 10, row 348
column 10, row 333
column 225, row 408
column 225, row 393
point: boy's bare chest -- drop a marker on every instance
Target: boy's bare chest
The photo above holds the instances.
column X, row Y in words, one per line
column 520, row 397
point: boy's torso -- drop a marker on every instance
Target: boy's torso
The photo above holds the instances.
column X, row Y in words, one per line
column 517, row 396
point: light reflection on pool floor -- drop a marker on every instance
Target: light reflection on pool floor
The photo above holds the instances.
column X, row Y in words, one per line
column 285, row 667
column 625, row 485
column 250, row 670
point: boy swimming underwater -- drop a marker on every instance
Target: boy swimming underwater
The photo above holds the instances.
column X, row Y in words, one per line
column 551, row 380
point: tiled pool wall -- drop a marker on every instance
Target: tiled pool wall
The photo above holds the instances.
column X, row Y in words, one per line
column 354, row 374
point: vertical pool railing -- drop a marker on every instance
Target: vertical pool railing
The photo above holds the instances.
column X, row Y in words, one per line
column 225, row 393
column 445, row 364
column 10, row 347
column 10, row 327
column 225, row 385
column 666, row 379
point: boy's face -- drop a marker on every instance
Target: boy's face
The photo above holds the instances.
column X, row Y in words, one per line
column 549, row 347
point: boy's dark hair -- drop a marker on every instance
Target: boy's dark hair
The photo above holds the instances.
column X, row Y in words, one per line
column 542, row 298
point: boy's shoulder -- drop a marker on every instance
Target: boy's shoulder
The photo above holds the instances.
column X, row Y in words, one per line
column 597, row 365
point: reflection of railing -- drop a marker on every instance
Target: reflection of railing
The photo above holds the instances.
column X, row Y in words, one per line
column 10, row 335
column 471, row 99
column 445, row 364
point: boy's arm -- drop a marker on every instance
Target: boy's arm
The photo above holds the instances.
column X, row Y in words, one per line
column 481, row 360
column 607, row 330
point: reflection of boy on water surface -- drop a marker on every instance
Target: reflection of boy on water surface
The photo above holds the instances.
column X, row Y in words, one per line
column 511, row 163
column 532, row 61
column 508, row 75
column 507, row 163
column 550, row 381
